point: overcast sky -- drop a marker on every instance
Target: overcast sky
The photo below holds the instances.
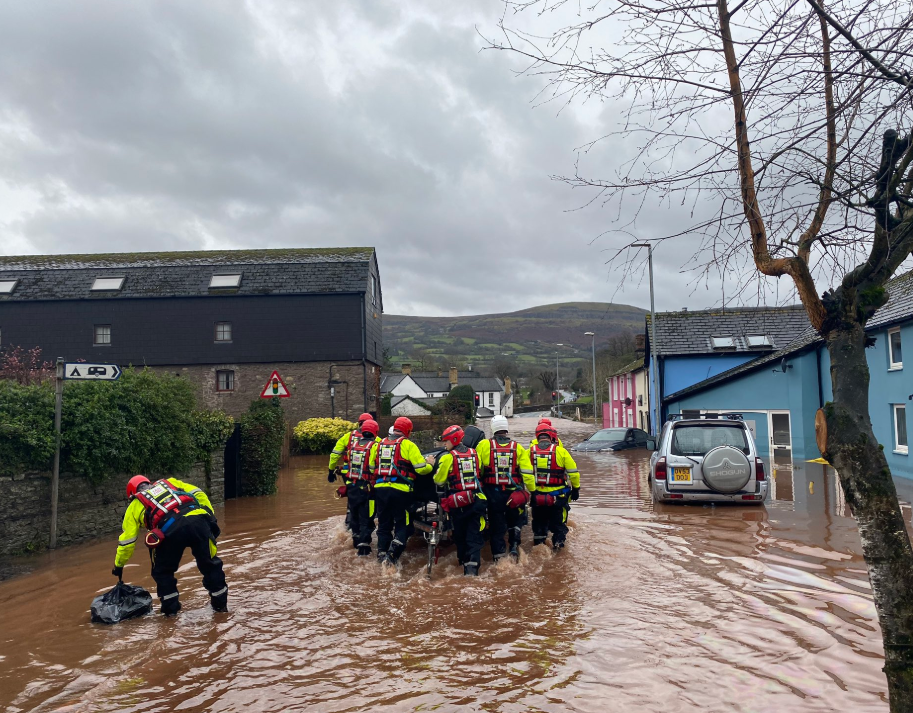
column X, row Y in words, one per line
column 176, row 125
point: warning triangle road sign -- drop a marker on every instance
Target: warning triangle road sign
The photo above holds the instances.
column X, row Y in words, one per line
column 275, row 387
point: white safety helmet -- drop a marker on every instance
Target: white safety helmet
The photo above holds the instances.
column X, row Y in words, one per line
column 498, row 423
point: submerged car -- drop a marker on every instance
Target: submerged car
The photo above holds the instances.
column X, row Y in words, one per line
column 707, row 460
column 613, row 439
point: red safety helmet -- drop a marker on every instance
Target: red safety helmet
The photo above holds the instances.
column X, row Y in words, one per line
column 134, row 483
column 403, row 425
column 370, row 426
column 453, row 435
column 546, row 421
column 365, row 417
column 546, row 429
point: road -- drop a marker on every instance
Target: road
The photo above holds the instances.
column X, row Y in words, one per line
column 666, row 608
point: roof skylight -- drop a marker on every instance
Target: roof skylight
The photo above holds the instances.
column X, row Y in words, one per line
column 758, row 340
column 225, row 281
column 7, row 286
column 722, row 342
column 107, row 284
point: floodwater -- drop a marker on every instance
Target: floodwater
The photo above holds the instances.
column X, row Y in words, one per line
column 672, row 608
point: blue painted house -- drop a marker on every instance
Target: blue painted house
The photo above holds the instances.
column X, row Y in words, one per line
column 779, row 393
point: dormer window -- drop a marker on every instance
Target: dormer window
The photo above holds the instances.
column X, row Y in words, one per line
column 224, row 281
column 7, row 286
column 722, row 342
column 758, row 340
column 107, row 284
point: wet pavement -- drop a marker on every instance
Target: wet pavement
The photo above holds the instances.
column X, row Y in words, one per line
column 666, row 608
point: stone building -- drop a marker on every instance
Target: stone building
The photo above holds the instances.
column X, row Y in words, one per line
column 223, row 319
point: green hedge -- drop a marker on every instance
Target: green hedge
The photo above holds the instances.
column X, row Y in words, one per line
column 142, row 423
column 262, row 433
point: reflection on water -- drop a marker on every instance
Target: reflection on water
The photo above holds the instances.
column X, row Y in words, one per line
column 671, row 608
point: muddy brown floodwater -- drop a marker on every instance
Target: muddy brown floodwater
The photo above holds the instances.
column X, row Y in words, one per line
column 649, row 609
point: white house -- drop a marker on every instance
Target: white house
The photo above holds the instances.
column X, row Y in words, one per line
column 492, row 393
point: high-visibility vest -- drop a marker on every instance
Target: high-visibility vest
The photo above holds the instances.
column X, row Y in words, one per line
column 503, row 467
column 545, row 465
column 464, row 470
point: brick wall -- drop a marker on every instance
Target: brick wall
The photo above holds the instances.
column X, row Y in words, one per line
column 84, row 510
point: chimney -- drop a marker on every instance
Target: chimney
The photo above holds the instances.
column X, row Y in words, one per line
column 640, row 344
column 407, row 369
column 454, row 379
column 507, row 386
column 684, row 309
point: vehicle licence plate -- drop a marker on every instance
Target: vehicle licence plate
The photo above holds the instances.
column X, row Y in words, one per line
column 681, row 475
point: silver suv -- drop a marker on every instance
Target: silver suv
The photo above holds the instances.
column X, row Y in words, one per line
column 707, row 460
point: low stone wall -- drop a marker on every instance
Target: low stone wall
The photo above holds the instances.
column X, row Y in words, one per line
column 84, row 511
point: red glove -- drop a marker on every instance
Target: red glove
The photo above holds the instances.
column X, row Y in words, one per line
column 462, row 499
column 447, row 503
column 341, row 491
column 518, row 499
column 543, row 499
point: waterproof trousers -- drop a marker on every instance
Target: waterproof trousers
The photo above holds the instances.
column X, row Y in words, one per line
column 503, row 520
column 468, row 532
column 361, row 513
column 392, row 521
column 551, row 517
column 192, row 531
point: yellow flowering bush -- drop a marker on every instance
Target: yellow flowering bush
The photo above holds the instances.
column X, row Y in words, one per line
column 319, row 435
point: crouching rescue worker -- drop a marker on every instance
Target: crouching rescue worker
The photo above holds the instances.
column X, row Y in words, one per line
column 360, row 487
column 398, row 462
column 177, row 516
column 460, row 469
column 507, row 481
column 557, row 484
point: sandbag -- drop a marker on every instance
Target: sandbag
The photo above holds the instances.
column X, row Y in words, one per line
column 124, row 601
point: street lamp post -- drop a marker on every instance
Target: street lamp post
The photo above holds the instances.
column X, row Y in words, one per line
column 593, row 335
column 653, row 345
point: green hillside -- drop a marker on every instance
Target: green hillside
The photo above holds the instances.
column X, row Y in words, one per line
column 527, row 337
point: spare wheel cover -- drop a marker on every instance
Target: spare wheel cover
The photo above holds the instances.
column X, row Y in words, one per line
column 726, row 469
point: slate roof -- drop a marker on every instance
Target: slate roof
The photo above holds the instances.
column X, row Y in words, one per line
column 388, row 382
column 441, row 384
column 679, row 333
column 638, row 363
column 183, row 274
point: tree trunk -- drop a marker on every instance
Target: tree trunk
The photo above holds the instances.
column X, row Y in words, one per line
column 866, row 479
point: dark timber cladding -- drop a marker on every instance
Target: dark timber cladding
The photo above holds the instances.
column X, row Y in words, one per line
column 166, row 309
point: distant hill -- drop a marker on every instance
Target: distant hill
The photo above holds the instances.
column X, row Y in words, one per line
column 528, row 336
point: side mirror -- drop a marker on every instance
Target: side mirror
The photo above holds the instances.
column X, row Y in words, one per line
column 651, row 445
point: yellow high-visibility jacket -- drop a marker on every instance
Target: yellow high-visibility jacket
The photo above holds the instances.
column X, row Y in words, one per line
column 526, row 467
column 445, row 465
column 134, row 518
column 564, row 460
column 341, row 450
column 408, row 451
column 535, row 441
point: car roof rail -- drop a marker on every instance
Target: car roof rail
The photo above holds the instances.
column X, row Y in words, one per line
column 733, row 416
column 675, row 417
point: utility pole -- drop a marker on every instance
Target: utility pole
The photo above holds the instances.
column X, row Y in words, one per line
column 55, row 476
column 653, row 346
column 593, row 335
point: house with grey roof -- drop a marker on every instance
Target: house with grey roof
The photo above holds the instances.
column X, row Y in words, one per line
column 430, row 387
column 779, row 393
column 224, row 319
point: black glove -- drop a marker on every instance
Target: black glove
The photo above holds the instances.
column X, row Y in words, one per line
column 331, row 476
column 118, row 572
column 575, row 494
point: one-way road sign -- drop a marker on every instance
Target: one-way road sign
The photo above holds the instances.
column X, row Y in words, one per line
column 92, row 372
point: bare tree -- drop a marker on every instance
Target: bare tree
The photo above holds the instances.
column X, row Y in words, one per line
column 548, row 379
column 808, row 178
column 502, row 368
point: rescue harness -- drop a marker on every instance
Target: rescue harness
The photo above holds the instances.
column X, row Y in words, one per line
column 503, row 468
column 545, row 465
column 359, row 470
column 391, row 468
column 164, row 506
column 464, row 471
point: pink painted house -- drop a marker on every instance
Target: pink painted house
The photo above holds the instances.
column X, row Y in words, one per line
column 628, row 402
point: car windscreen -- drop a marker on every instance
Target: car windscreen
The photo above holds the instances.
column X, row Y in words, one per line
column 696, row 440
column 608, row 434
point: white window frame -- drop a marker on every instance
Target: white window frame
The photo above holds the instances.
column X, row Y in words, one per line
column 95, row 342
column 108, row 284
column 905, row 449
column 216, row 333
column 7, row 286
column 722, row 342
column 894, row 365
column 225, row 282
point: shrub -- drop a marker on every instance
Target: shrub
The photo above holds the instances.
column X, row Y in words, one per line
column 458, row 405
column 209, row 430
column 26, row 427
column 262, row 433
column 319, row 435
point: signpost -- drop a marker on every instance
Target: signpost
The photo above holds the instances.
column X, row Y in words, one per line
column 275, row 387
column 78, row 372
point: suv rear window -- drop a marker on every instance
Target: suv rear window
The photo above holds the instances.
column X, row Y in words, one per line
column 697, row 439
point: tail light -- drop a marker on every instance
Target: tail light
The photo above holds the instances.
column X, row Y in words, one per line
column 660, row 471
column 759, row 469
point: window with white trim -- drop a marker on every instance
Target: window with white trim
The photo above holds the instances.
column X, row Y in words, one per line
column 895, row 354
column 102, row 335
column 107, row 284
column 900, row 428
column 223, row 331
column 7, row 286
column 491, row 398
column 224, row 281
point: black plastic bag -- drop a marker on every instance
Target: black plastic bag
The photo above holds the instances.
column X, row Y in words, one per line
column 123, row 602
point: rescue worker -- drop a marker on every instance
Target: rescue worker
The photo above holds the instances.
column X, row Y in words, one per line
column 507, row 481
column 339, row 458
column 557, row 484
column 460, row 469
column 177, row 515
column 546, row 422
column 360, row 486
column 398, row 462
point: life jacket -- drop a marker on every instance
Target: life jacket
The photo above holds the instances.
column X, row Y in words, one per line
column 391, row 468
column 358, row 460
column 350, row 446
column 545, row 465
column 503, row 468
column 464, row 470
column 164, row 505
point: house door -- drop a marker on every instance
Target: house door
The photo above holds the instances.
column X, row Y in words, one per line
column 781, row 443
